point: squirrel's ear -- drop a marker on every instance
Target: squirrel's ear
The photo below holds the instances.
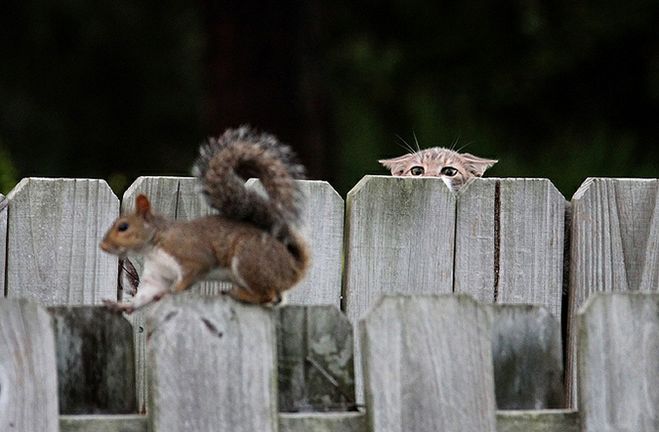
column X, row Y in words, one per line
column 142, row 205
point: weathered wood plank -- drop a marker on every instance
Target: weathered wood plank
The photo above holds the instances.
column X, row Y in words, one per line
column 510, row 242
column 617, row 363
column 315, row 352
column 614, row 244
column 432, row 372
column 475, row 240
column 532, row 214
column 28, row 371
column 3, row 242
column 212, row 365
column 538, row 421
column 95, row 361
column 322, row 226
column 323, row 422
column 528, row 357
column 400, row 240
column 103, row 423
column 54, row 226
column 507, row 421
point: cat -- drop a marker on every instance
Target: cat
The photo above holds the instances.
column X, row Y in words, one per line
column 454, row 168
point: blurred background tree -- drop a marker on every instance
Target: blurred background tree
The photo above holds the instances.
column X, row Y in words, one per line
column 113, row 90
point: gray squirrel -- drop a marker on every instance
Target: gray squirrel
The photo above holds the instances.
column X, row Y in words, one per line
column 252, row 242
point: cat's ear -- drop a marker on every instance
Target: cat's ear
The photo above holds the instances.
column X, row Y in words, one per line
column 396, row 165
column 477, row 165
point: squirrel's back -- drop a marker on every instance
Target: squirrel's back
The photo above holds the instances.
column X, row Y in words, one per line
column 226, row 162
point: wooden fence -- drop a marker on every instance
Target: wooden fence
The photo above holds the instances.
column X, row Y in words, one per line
column 430, row 362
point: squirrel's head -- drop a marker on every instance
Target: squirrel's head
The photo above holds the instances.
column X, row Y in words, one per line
column 132, row 232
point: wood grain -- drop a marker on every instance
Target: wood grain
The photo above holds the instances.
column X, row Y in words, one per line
column 315, row 358
column 28, row 371
column 212, row 364
column 475, row 240
column 95, row 361
column 617, row 363
column 399, row 239
column 54, row 228
column 527, row 355
column 614, row 245
column 532, row 214
column 432, row 372
column 322, row 226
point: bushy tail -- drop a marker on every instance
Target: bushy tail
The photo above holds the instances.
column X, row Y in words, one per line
column 225, row 163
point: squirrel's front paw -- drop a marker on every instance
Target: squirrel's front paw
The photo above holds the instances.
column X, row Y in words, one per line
column 118, row 307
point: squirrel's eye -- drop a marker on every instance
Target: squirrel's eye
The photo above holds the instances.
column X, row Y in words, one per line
column 416, row 171
column 449, row 171
column 122, row 226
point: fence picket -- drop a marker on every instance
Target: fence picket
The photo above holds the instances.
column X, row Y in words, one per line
column 95, row 361
column 617, row 363
column 474, row 240
column 614, row 245
column 532, row 215
column 432, row 372
column 509, row 242
column 54, row 228
column 212, row 364
column 28, row 371
column 322, row 220
column 400, row 240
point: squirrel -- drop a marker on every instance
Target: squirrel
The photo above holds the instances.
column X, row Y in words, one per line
column 252, row 242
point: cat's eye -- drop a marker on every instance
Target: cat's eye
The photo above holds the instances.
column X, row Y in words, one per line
column 449, row 171
column 416, row 171
column 122, row 226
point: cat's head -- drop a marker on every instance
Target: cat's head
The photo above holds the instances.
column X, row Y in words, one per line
column 454, row 168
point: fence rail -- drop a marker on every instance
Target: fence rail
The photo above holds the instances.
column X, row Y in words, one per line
column 502, row 241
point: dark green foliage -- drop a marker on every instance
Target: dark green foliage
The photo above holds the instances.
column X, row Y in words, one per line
column 106, row 89
column 115, row 89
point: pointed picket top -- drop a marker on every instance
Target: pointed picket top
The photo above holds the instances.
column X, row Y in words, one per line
column 399, row 238
column 212, row 365
column 614, row 244
column 428, row 365
column 54, row 229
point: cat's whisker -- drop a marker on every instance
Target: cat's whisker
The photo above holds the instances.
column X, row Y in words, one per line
column 455, row 143
column 418, row 148
column 464, row 146
column 406, row 146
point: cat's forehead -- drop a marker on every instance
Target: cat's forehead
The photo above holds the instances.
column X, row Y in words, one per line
column 438, row 155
